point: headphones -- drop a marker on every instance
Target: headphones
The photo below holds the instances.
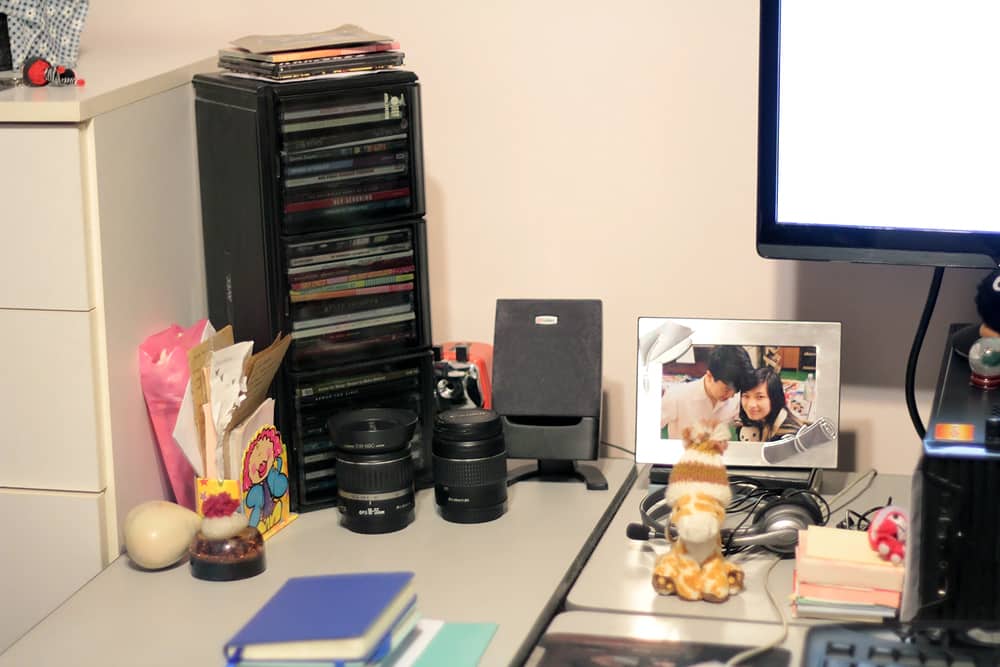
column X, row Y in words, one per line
column 776, row 517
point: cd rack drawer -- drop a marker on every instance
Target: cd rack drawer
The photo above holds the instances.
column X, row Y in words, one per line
column 398, row 382
column 356, row 294
column 348, row 158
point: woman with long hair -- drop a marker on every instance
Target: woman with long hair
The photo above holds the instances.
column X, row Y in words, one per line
column 763, row 414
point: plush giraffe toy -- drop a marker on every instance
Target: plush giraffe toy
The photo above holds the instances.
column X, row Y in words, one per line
column 698, row 493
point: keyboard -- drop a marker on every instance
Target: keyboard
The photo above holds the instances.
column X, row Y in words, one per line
column 882, row 646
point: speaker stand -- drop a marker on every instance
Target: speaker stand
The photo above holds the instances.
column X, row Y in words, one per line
column 561, row 471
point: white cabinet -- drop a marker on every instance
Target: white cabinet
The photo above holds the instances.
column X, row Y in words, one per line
column 102, row 231
column 49, row 394
column 45, row 263
column 53, row 545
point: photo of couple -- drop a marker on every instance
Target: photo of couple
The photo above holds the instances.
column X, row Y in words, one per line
column 763, row 392
column 774, row 383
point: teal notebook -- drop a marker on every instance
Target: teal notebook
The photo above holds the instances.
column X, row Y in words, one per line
column 457, row 645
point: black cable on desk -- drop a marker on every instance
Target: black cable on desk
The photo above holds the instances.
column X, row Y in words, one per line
column 918, row 341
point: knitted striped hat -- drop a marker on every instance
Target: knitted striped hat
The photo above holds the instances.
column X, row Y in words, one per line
column 700, row 468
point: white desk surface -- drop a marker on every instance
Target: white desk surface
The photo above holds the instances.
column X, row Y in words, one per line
column 618, row 576
column 509, row 571
column 659, row 628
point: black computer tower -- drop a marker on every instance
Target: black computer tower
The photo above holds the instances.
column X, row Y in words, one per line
column 312, row 207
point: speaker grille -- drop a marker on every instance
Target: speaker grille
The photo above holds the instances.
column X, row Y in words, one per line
column 547, row 357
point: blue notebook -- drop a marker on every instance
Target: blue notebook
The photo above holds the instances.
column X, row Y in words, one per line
column 337, row 617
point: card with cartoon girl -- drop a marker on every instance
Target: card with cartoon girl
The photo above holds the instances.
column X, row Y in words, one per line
column 264, row 481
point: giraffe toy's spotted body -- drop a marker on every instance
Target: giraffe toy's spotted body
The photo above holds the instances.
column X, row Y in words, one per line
column 698, row 493
column 696, row 570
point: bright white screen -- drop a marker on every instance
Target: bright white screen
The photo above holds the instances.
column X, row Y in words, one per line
column 890, row 114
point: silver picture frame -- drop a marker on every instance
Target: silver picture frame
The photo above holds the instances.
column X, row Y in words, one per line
column 672, row 351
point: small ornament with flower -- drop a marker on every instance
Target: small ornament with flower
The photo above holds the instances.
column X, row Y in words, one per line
column 226, row 548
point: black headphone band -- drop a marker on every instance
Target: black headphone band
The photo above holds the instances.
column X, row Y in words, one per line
column 653, row 511
column 654, row 508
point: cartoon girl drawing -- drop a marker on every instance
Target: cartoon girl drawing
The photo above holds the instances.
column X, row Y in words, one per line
column 263, row 482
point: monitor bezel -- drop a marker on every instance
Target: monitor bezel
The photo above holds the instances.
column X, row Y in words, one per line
column 787, row 240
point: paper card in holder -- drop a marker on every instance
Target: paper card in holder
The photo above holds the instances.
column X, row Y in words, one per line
column 253, row 459
column 255, row 472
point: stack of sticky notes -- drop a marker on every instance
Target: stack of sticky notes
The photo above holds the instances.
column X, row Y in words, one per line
column 838, row 576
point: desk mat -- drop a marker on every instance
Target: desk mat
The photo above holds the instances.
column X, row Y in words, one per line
column 584, row 650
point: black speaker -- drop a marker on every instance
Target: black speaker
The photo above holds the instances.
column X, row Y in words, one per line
column 547, row 383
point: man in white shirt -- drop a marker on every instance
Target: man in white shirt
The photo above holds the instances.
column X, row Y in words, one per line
column 713, row 396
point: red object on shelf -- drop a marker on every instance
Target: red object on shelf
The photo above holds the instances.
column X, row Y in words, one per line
column 40, row 72
column 479, row 354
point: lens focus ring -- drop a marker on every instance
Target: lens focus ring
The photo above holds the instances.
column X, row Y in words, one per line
column 470, row 472
column 374, row 476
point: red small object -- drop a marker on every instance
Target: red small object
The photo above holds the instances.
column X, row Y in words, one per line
column 887, row 533
column 40, row 72
column 479, row 355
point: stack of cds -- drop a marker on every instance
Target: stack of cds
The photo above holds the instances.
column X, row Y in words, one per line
column 351, row 295
column 348, row 48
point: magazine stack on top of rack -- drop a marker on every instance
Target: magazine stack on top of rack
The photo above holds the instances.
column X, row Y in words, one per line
column 348, row 49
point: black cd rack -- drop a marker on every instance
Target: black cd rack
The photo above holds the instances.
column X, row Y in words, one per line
column 312, row 210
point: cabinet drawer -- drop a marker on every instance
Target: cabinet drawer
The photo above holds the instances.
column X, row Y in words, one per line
column 43, row 219
column 49, row 399
column 55, row 548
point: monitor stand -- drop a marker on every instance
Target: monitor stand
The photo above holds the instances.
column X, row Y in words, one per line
column 771, row 478
column 560, row 471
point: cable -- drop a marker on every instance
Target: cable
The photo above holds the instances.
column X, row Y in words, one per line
column 918, row 341
column 868, row 478
column 728, row 548
column 627, row 451
column 753, row 652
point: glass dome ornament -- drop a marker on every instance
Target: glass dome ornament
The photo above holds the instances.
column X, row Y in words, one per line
column 226, row 548
column 984, row 363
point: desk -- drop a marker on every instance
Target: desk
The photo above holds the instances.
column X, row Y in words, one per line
column 617, row 577
column 513, row 571
column 613, row 595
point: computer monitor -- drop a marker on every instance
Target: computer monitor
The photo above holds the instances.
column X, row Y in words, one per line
column 878, row 141
column 879, row 131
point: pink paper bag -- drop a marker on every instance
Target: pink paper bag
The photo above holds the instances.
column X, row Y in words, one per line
column 164, row 374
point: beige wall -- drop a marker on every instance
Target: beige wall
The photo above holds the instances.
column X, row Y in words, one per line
column 603, row 150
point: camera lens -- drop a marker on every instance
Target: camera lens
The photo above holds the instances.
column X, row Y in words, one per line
column 374, row 468
column 375, row 491
column 372, row 429
column 470, row 465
